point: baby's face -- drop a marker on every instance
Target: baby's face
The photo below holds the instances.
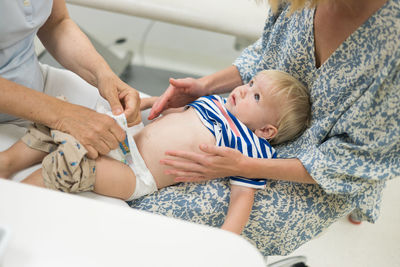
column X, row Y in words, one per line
column 254, row 104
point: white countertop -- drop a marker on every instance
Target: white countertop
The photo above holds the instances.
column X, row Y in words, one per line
column 50, row 228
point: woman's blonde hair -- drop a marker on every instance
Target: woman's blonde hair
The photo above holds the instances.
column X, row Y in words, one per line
column 294, row 104
column 294, row 4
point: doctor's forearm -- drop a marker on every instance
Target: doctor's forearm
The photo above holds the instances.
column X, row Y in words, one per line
column 277, row 169
column 23, row 102
column 71, row 47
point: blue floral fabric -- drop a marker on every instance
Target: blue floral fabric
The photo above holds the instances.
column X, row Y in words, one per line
column 351, row 148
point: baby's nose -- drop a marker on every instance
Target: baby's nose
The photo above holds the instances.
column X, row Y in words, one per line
column 243, row 92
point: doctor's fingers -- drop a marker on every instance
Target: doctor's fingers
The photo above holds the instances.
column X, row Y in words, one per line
column 131, row 102
column 95, row 149
column 112, row 98
column 100, row 144
column 101, row 133
column 101, row 148
column 110, row 86
column 101, row 127
column 129, row 97
column 91, row 152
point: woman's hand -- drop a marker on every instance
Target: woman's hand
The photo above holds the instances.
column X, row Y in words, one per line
column 179, row 93
column 215, row 162
column 121, row 97
column 183, row 91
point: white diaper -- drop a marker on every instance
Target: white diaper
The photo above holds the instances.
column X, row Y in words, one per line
column 128, row 153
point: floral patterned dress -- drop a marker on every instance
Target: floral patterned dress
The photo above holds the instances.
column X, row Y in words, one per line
column 351, row 149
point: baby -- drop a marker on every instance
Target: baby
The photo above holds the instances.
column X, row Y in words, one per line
column 273, row 106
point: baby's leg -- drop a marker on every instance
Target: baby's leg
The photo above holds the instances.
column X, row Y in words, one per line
column 18, row 157
column 35, row 178
column 114, row 179
column 240, row 206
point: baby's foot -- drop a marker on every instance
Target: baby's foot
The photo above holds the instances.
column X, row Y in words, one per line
column 5, row 166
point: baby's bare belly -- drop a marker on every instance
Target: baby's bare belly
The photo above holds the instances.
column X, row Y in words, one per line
column 176, row 131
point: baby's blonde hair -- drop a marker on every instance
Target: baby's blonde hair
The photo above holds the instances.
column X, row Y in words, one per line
column 294, row 104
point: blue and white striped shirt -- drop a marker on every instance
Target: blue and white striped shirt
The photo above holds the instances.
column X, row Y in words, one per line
column 230, row 132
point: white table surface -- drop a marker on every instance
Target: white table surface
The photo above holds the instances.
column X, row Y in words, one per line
column 242, row 18
column 50, row 228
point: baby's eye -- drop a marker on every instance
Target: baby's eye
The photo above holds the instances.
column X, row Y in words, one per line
column 251, row 83
column 257, row 97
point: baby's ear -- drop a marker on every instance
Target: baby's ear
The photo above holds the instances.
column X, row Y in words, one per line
column 267, row 132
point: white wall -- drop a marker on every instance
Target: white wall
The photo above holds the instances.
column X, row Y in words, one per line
column 158, row 44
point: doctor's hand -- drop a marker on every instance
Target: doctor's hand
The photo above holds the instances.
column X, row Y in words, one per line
column 179, row 93
column 121, row 97
column 215, row 162
column 98, row 133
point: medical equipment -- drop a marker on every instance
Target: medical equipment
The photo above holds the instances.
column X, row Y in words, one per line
column 245, row 21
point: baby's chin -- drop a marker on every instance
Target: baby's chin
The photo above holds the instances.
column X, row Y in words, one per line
column 228, row 108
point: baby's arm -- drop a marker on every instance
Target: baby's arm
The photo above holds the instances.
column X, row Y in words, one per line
column 240, row 206
column 147, row 102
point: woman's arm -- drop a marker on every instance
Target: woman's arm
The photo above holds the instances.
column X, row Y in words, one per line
column 72, row 49
column 278, row 169
column 183, row 91
column 222, row 81
column 218, row 162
